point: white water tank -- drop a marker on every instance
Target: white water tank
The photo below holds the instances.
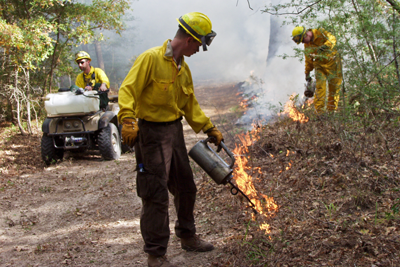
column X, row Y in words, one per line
column 69, row 102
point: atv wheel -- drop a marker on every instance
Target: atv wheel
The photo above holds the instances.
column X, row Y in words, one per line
column 50, row 154
column 109, row 142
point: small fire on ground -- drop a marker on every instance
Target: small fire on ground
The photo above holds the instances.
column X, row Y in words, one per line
column 246, row 102
column 292, row 111
column 264, row 205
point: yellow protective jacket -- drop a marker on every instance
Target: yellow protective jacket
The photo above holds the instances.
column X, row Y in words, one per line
column 99, row 77
column 315, row 58
column 155, row 90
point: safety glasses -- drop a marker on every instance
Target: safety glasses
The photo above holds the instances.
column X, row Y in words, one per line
column 210, row 37
column 298, row 38
column 206, row 40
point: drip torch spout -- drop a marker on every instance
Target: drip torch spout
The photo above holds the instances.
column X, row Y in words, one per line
column 235, row 190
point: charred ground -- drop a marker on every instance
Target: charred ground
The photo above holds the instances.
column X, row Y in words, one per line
column 336, row 182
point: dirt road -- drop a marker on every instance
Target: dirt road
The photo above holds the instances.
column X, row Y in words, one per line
column 85, row 212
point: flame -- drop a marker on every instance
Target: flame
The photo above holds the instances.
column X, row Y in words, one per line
column 288, row 167
column 307, row 103
column 264, row 205
column 291, row 110
column 245, row 102
column 265, row 227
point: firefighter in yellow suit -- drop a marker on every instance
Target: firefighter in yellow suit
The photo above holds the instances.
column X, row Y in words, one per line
column 154, row 97
column 92, row 78
column 321, row 54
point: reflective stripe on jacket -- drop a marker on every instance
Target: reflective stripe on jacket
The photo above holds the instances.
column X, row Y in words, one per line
column 155, row 90
column 100, row 77
column 315, row 58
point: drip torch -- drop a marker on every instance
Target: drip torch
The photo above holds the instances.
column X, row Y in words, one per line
column 215, row 166
column 309, row 88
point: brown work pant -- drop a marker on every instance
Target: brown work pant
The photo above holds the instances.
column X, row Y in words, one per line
column 161, row 148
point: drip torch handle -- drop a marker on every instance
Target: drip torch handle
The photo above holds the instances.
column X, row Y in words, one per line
column 230, row 154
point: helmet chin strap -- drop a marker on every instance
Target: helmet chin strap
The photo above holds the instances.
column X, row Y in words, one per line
column 203, row 42
column 302, row 34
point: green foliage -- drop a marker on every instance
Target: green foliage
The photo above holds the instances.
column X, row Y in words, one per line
column 26, row 43
column 38, row 39
column 367, row 39
column 394, row 210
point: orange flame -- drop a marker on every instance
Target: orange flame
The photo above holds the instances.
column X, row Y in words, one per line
column 266, row 206
column 244, row 103
column 291, row 110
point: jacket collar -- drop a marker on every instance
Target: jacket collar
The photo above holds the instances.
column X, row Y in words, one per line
column 169, row 53
column 90, row 72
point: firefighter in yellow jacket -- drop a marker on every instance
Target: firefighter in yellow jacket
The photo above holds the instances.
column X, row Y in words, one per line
column 155, row 95
column 321, row 55
column 92, row 78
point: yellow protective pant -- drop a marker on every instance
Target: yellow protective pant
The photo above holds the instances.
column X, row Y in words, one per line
column 332, row 74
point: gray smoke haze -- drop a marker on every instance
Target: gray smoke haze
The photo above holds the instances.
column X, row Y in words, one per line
column 240, row 49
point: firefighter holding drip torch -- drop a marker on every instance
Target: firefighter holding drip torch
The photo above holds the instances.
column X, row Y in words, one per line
column 155, row 95
column 320, row 55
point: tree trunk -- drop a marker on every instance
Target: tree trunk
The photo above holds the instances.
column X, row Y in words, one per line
column 394, row 5
column 9, row 94
column 394, row 48
column 28, row 102
column 99, row 54
column 16, row 93
column 85, row 48
column 54, row 60
column 274, row 42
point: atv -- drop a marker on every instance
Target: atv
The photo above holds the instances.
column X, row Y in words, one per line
column 75, row 123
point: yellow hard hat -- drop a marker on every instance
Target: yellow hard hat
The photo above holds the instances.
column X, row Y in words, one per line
column 81, row 55
column 199, row 26
column 298, row 34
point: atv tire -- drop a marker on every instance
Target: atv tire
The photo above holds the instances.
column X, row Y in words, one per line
column 50, row 154
column 109, row 142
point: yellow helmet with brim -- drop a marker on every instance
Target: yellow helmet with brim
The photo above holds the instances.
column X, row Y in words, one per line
column 81, row 55
column 298, row 34
column 199, row 27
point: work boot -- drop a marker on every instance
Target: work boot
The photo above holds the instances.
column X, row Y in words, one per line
column 159, row 261
column 194, row 243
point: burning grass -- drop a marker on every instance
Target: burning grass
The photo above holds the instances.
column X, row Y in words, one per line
column 336, row 183
column 332, row 185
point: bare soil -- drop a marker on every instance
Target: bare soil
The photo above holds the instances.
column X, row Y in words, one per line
column 334, row 178
column 84, row 211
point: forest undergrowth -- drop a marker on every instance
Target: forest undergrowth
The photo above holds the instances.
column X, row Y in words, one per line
column 336, row 181
column 334, row 178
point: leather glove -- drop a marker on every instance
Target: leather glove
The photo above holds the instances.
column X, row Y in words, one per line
column 308, row 77
column 214, row 132
column 323, row 48
column 129, row 131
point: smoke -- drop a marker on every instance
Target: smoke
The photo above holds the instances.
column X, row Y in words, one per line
column 245, row 40
column 241, row 45
column 277, row 81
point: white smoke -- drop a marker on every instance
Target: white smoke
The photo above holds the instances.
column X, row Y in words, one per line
column 239, row 50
